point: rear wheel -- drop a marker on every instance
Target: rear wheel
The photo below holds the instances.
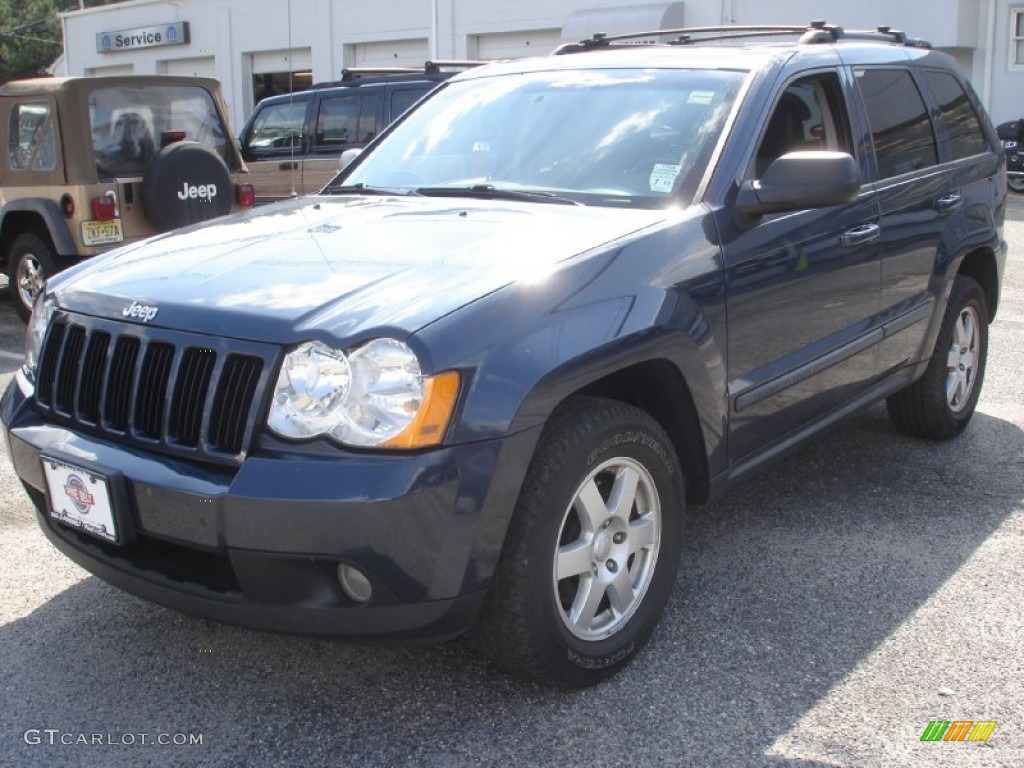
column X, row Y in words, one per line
column 30, row 261
column 940, row 404
column 1017, row 185
column 591, row 554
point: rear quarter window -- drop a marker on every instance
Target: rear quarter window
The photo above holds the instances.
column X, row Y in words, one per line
column 900, row 128
column 957, row 116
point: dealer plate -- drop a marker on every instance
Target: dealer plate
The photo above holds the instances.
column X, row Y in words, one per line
column 80, row 499
column 102, row 232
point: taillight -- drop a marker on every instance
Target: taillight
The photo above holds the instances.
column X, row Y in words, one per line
column 245, row 195
column 67, row 206
column 104, row 207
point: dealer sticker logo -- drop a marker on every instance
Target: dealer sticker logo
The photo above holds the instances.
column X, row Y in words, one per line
column 80, row 497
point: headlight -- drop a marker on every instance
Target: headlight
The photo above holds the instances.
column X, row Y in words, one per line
column 35, row 332
column 374, row 395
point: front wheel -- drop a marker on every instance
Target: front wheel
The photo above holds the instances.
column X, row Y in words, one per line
column 1015, row 184
column 591, row 554
column 30, row 261
column 940, row 404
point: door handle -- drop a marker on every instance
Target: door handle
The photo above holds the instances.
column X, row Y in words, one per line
column 287, row 166
column 865, row 233
column 948, row 202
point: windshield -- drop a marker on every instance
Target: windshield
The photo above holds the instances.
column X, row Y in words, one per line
column 598, row 137
column 130, row 124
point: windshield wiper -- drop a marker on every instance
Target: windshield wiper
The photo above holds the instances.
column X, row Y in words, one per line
column 490, row 192
column 363, row 189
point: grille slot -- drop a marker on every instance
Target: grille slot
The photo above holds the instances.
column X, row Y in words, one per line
column 167, row 390
column 91, row 386
column 119, row 392
column 237, row 382
column 151, row 393
column 190, row 395
column 67, row 370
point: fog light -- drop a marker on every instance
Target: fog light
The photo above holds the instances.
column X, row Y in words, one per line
column 353, row 583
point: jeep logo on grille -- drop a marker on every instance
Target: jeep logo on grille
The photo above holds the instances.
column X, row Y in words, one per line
column 203, row 191
column 143, row 312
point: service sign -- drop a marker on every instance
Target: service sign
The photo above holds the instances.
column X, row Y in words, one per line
column 143, row 37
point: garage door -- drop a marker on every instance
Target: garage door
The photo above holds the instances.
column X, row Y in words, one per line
column 515, row 45
column 388, row 53
column 297, row 60
column 203, row 66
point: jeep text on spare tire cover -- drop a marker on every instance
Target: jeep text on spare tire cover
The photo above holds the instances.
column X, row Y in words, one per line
column 203, row 191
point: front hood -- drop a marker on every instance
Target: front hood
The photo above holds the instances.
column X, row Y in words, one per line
column 337, row 267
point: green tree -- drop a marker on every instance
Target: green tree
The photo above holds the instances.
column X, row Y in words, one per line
column 30, row 34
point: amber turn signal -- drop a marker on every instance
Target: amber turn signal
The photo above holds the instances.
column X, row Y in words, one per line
column 428, row 427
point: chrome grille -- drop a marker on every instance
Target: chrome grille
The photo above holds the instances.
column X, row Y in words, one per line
column 181, row 393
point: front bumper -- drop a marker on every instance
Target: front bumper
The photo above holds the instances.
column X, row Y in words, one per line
column 259, row 545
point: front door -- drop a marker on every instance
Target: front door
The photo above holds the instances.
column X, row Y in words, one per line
column 802, row 288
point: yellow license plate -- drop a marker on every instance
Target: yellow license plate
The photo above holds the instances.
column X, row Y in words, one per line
column 102, row 232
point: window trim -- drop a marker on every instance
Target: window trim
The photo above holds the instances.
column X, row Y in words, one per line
column 1016, row 17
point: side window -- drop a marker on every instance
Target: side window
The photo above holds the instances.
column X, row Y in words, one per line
column 810, row 114
column 31, row 141
column 957, row 115
column 403, row 99
column 900, row 129
column 275, row 128
column 351, row 119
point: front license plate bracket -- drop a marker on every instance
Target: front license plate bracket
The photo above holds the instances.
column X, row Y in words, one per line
column 91, row 500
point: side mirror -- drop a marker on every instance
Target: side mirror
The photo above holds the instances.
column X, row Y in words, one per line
column 797, row 180
column 347, row 157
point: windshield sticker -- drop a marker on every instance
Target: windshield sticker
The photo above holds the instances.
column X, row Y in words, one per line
column 701, row 97
column 663, row 177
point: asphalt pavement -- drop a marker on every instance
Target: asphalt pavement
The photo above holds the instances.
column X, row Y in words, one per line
column 827, row 610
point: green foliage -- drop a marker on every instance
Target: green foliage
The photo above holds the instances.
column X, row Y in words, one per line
column 30, row 35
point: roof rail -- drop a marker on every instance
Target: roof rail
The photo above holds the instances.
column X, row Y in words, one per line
column 440, row 64
column 429, row 67
column 815, row 32
column 351, row 73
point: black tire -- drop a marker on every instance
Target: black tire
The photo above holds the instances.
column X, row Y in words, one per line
column 187, row 182
column 1015, row 185
column 526, row 624
column 940, row 404
column 30, row 262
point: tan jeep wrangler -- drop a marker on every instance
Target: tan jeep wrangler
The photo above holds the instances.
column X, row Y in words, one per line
column 92, row 163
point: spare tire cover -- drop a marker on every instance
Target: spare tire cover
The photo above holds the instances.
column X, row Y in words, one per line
column 185, row 183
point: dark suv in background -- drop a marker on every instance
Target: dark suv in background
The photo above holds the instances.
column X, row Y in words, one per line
column 292, row 142
column 476, row 383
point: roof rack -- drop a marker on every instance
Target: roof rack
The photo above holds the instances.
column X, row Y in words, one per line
column 815, row 32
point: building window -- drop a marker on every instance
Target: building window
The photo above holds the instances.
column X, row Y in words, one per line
column 1017, row 43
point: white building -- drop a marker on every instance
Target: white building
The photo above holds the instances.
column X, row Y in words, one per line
column 255, row 47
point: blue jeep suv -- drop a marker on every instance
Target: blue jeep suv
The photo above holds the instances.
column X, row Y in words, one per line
column 475, row 383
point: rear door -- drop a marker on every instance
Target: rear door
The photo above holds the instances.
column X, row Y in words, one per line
column 343, row 120
column 916, row 196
